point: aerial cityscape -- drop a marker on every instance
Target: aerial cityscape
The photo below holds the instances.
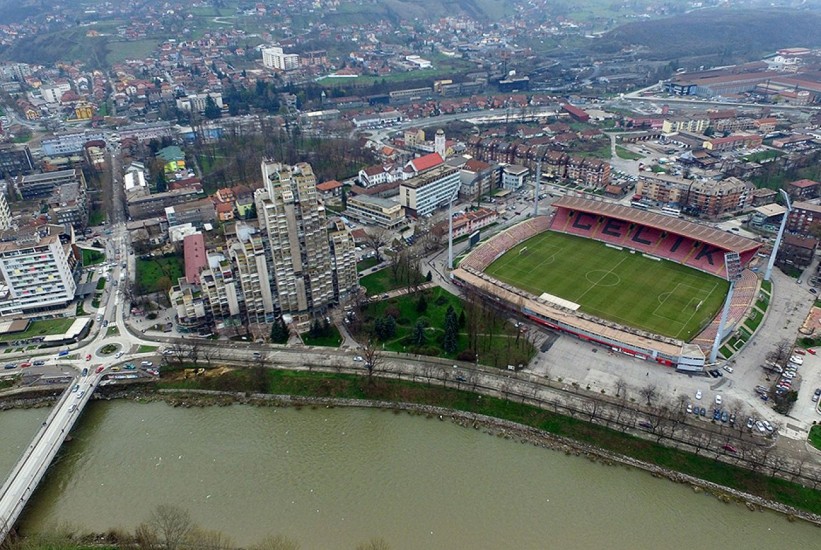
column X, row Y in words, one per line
column 234, row 234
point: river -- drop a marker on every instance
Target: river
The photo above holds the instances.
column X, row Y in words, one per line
column 332, row 478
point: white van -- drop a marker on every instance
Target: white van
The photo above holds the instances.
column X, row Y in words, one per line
column 146, row 364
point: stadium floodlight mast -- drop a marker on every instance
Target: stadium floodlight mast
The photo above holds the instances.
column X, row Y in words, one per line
column 777, row 243
column 450, row 227
column 537, row 188
column 732, row 261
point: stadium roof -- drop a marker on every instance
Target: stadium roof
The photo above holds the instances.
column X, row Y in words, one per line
column 703, row 233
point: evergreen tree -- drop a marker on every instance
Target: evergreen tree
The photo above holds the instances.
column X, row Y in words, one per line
column 429, row 277
column 326, row 328
column 421, row 304
column 344, row 198
column 462, row 319
column 212, row 111
column 419, row 336
column 389, row 325
column 279, row 332
column 451, row 339
column 379, row 328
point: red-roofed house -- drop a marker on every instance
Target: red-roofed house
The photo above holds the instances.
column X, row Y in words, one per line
column 193, row 247
column 330, row 188
column 225, row 211
column 421, row 164
column 375, row 175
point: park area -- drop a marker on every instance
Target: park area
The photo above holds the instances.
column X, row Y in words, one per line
column 645, row 293
column 158, row 274
column 419, row 323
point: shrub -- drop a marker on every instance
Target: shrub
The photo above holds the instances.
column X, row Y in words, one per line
column 467, row 355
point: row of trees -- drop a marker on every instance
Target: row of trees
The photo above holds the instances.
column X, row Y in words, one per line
column 168, row 527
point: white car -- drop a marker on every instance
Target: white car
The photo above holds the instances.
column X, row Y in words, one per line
column 118, row 355
column 698, row 394
column 728, row 368
column 797, row 359
column 358, row 358
column 718, row 399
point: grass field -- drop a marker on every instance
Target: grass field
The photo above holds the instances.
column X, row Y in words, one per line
column 659, row 296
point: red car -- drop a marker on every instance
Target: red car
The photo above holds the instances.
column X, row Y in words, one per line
column 88, row 357
column 800, row 351
column 24, row 365
column 811, row 351
column 729, row 448
column 99, row 369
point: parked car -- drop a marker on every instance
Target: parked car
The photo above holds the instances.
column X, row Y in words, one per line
column 750, row 423
column 797, row 359
column 728, row 368
column 767, row 426
column 718, row 399
column 760, row 427
column 702, row 411
column 99, row 369
column 39, row 363
column 88, row 357
column 729, row 448
column 698, row 394
column 817, row 394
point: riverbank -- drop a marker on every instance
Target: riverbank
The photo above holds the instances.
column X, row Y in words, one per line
column 501, row 417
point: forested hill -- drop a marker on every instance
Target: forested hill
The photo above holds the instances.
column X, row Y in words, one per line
column 722, row 33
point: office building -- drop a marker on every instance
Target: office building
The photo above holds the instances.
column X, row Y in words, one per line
column 422, row 194
column 375, row 211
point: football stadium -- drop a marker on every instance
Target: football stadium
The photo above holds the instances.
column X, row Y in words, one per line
column 642, row 283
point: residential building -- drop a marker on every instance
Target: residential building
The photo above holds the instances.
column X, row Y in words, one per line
column 345, row 279
column 371, row 210
column 220, row 289
column 37, row 271
column 804, row 219
column 151, row 206
column 421, row 164
column 514, row 176
column 248, row 255
column 275, row 58
column 422, row 194
column 297, row 250
column 329, row 189
column 193, row 252
column 733, row 142
column 478, row 178
column 191, row 309
column 197, row 212
column 5, row 213
column 467, row 223
column 371, row 176
column 710, row 198
column 198, row 102
column 803, row 190
column 68, row 204
column 796, row 251
column 685, row 124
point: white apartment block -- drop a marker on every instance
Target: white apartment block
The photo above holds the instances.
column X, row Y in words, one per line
column 346, row 282
column 248, row 255
column 299, row 252
column 275, row 58
column 36, row 274
column 423, row 194
column 198, row 102
column 53, row 93
column 220, row 287
column 5, row 213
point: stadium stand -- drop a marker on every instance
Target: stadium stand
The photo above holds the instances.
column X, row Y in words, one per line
column 744, row 295
column 497, row 245
column 698, row 246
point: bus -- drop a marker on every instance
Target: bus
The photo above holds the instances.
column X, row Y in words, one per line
column 670, row 211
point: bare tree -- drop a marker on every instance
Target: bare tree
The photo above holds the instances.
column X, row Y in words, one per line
column 374, row 544
column 278, row 542
column 649, row 393
column 621, row 386
column 194, row 351
column 376, row 238
column 374, row 362
column 171, row 524
column 210, row 354
column 205, row 538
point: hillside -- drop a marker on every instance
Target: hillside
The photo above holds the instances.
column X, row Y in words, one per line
column 724, row 34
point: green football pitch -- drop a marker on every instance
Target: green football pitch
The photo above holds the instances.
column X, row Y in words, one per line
column 662, row 297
